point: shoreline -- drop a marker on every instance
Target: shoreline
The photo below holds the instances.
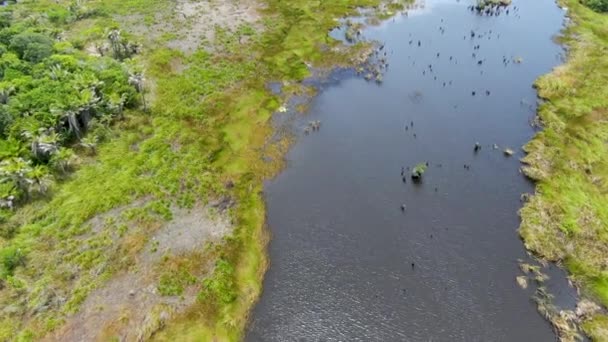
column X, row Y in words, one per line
column 562, row 222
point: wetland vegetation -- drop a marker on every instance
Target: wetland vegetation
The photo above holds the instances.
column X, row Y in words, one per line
column 123, row 119
column 567, row 218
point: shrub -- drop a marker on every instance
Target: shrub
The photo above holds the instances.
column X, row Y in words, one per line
column 31, row 46
column 597, row 5
column 10, row 258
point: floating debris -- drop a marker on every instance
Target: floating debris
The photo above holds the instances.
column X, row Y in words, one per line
column 508, row 152
column 522, row 281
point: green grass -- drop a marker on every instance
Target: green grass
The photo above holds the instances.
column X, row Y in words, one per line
column 567, row 219
column 209, row 124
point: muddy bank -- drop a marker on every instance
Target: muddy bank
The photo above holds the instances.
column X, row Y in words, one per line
column 361, row 253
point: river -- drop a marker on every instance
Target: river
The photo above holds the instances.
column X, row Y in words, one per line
column 346, row 262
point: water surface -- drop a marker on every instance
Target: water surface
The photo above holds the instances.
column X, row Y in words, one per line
column 342, row 249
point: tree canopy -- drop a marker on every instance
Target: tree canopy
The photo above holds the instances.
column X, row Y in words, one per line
column 51, row 95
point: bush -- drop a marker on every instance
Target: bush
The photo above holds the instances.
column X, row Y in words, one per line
column 32, row 47
column 59, row 15
column 10, row 258
column 597, row 5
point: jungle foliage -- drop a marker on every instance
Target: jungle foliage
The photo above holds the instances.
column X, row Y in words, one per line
column 54, row 99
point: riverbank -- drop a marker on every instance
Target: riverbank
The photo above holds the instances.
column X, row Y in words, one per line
column 566, row 221
column 99, row 247
column 442, row 252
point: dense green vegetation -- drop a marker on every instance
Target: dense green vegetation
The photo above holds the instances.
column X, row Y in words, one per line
column 95, row 168
column 51, row 95
column 597, row 5
column 567, row 219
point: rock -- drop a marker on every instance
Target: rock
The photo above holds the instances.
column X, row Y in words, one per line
column 477, row 147
column 132, row 293
column 522, row 281
column 403, row 207
column 508, row 152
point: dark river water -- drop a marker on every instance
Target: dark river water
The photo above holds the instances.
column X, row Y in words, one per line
column 342, row 249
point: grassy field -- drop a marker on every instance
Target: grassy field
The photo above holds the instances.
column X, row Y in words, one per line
column 567, row 219
column 204, row 136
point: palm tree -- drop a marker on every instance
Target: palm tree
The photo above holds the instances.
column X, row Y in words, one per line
column 89, row 143
column 138, row 81
column 72, row 120
column 45, row 145
column 41, row 180
column 57, row 72
column 114, row 38
column 62, row 160
column 117, row 105
column 5, row 92
column 16, row 171
column 88, row 108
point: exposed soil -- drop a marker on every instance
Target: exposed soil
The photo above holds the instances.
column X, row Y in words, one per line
column 193, row 24
column 129, row 305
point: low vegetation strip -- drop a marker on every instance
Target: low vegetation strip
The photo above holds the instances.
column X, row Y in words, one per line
column 567, row 219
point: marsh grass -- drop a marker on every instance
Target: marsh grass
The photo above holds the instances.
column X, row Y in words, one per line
column 567, row 218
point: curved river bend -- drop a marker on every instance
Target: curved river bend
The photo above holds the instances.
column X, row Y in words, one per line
column 342, row 250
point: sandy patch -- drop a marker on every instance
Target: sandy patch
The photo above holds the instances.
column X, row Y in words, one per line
column 193, row 24
column 129, row 305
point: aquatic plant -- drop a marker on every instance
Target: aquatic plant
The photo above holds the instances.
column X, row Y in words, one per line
column 418, row 170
